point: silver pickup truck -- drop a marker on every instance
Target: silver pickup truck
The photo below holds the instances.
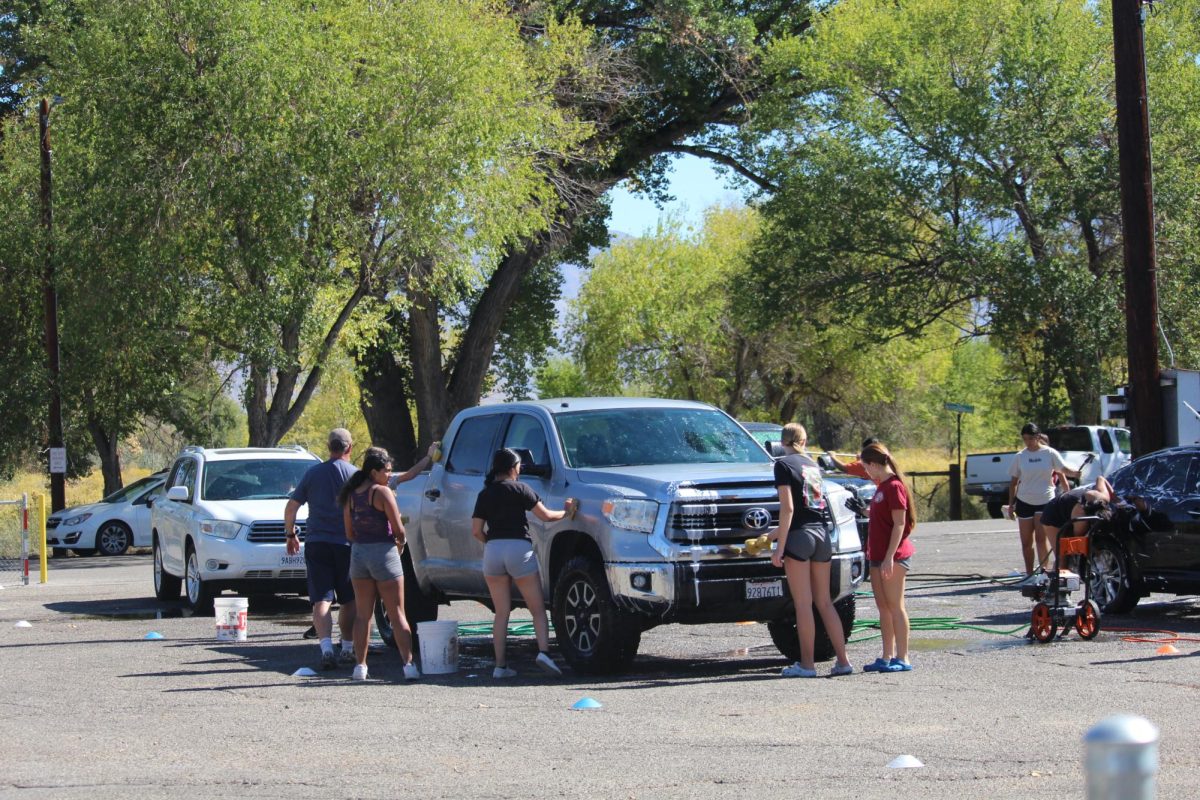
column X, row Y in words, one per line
column 669, row 491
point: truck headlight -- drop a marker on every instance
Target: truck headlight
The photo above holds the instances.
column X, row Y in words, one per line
column 222, row 529
column 75, row 520
column 632, row 515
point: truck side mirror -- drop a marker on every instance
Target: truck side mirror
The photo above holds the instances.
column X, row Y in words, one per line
column 527, row 465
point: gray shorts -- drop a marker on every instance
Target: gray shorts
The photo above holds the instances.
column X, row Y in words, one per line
column 899, row 562
column 512, row 557
column 809, row 543
column 377, row 562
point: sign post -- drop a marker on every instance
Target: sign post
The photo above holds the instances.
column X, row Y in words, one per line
column 959, row 409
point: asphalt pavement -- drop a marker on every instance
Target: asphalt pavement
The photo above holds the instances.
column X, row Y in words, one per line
column 92, row 709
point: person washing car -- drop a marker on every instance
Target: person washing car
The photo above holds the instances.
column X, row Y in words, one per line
column 1030, row 489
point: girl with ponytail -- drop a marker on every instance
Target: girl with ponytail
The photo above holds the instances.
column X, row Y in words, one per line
column 889, row 552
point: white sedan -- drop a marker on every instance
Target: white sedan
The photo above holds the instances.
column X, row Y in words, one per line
column 109, row 527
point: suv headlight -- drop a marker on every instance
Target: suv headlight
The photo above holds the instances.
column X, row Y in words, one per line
column 222, row 529
column 632, row 515
column 75, row 520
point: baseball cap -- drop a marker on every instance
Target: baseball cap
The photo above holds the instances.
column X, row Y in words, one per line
column 340, row 439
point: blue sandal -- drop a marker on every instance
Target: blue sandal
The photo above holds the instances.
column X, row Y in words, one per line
column 878, row 665
column 896, row 665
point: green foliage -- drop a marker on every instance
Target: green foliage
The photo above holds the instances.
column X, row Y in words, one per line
column 561, row 377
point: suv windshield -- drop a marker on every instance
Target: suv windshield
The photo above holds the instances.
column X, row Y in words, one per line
column 253, row 478
column 640, row 436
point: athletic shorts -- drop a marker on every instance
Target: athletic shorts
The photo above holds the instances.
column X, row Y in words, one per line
column 512, row 557
column 808, row 543
column 1024, row 510
column 376, row 561
column 899, row 562
column 328, row 568
column 1057, row 512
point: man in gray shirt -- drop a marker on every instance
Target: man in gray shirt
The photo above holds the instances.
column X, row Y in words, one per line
column 326, row 549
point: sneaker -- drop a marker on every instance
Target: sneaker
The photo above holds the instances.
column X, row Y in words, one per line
column 797, row 671
column 896, row 665
column 841, row 669
column 503, row 672
column 346, row 657
column 878, row 665
column 329, row 660
column 360, row 672
column 411, row 673
column 311, row 633
column 547, row 664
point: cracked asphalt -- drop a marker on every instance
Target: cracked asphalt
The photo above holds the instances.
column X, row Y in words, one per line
column 91, row 709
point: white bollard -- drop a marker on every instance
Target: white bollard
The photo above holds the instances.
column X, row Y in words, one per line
column 1122, row 759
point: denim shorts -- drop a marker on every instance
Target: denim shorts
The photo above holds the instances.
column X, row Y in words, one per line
column 512, row 557
column 377, row 561
column 328, row 567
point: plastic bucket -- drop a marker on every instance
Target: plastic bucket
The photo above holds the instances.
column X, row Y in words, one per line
column 439, row 646
column 230, row 613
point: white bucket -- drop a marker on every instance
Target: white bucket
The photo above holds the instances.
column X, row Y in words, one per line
column 439, row 646
column 230, row 613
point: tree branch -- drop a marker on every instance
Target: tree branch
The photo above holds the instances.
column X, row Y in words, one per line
column 726, row 160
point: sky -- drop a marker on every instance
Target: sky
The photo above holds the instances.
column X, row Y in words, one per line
column 695, row 186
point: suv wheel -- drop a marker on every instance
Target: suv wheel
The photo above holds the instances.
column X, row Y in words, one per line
column 593, row 634
column 113, row 538
column 1110, row 582
column 787, row 640
column 199, row 597
column 166, row 585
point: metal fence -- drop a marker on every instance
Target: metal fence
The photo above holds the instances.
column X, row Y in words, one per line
column 14, row 541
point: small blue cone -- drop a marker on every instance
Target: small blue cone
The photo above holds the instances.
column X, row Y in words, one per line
column 585, row 704
column 153, row 635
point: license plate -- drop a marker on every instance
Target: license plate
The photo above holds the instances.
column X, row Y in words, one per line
column 757, row 590
column 292, row 561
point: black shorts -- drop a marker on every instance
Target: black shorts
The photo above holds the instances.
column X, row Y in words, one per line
column 1024, row 510
column 809, row 543
column 328, row 567
column 1057, row 512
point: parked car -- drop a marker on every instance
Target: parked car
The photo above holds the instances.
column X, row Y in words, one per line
column 109, row 527
column 219, row 525
column 669, row 491
column 1092, row 449
column 765, row 433
column 1153, row 543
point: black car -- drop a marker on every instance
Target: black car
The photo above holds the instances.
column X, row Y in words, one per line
column 1152, row 541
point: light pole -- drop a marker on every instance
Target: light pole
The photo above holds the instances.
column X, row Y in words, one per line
column 58, row 493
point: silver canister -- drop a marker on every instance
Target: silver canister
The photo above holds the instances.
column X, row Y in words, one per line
column 1121, row 759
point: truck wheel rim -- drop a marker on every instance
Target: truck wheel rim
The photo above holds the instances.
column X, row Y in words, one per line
column 582, row 619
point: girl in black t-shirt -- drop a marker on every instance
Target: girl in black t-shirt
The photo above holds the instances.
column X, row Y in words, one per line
column 499, row 522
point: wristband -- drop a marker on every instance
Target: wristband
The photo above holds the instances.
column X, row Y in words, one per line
column 292, row 535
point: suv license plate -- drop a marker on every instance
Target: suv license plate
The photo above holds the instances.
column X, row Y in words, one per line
column 757, row 590
column 292, row 561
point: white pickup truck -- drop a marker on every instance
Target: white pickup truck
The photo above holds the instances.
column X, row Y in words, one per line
column 1108, row 448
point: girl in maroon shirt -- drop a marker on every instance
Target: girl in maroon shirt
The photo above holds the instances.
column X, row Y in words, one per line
column 889, row 551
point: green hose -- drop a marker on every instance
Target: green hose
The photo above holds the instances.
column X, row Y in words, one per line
column 927, row 624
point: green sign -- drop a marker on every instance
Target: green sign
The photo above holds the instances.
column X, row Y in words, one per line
column 960, row 408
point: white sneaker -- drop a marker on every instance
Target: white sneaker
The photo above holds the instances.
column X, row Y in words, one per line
column 503, row 672
column 411, row 673
column 797, row 671
column 547, row 664
column 360, row 672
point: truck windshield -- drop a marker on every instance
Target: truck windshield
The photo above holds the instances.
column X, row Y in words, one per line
column 640, row 436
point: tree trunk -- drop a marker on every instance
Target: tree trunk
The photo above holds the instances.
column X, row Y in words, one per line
column 110, row 459
column 384, row 403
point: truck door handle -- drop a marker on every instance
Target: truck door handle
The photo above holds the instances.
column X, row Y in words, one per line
column 433, row 494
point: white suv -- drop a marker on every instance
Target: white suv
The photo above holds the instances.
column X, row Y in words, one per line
column 219, row 525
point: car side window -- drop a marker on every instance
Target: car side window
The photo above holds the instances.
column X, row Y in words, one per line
column 471, row 453
column 1162, row 478
column 185, row 475
column 1106, row 443
column 1194, row 478
column 525, row 432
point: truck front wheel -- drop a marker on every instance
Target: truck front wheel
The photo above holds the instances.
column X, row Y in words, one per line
column 593, row 634
column 783, row 632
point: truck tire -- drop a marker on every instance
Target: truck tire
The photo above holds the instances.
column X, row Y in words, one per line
column 783, row 632
column 418, row 607
column 593, row 634
column 995, row 509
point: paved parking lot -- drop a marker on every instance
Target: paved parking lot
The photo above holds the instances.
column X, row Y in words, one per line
column 91, row 709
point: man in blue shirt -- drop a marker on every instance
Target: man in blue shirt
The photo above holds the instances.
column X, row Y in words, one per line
column 326, row 549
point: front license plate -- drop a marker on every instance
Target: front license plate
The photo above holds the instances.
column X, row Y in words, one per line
column 292, row 562
column 757, row 590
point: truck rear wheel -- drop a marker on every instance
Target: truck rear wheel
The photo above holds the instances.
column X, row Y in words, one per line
column 593, row 634
column 995, row 509
column 783, row 632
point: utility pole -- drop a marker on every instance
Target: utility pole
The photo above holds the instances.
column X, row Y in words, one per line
column 58, row 490
column 1137, row 220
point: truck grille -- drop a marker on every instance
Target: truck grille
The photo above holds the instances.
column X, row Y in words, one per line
column 272, row 532
column 717, row 514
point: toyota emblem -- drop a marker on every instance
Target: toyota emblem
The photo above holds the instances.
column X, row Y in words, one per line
column 757, row 519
